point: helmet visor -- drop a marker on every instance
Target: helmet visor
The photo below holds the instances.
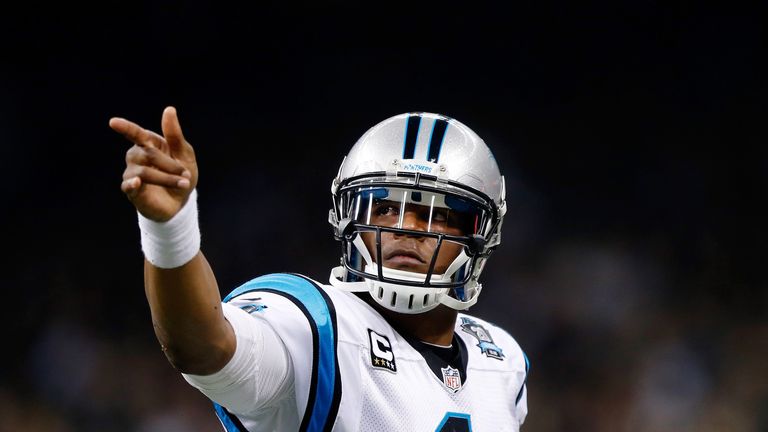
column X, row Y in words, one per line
column 414, row 210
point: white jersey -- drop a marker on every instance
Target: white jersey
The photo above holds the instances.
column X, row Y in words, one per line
column 349, row 370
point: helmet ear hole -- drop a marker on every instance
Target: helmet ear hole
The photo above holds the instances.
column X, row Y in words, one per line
column 477, row 244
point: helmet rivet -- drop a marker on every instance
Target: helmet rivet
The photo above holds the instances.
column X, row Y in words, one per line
column 442, row 168
column 394, row 161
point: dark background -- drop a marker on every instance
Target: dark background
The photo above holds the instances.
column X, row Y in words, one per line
column 632, row 135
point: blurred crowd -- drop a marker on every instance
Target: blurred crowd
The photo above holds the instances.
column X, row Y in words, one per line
column 621, row 337
column 632, row 276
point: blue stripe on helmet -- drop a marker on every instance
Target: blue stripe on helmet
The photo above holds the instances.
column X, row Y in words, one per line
column 460, row 204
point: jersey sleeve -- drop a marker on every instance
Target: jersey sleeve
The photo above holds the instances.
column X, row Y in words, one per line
column 285, row 360
column 260, row 371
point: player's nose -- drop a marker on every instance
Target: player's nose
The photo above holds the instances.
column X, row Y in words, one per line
column 413, row 221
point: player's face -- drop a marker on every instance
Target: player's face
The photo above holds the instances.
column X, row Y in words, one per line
column 413, row 252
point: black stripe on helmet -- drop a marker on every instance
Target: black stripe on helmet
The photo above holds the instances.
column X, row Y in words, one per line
column 411, row 135
column 436, row 139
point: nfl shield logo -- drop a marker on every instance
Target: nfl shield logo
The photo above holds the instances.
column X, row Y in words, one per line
column 451, row 379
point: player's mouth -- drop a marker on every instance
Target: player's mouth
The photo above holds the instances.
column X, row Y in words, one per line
column 403, row 259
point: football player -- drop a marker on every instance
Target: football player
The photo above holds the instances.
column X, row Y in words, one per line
column 418, row 205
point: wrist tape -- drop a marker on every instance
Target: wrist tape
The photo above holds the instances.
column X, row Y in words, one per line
column 175, row 242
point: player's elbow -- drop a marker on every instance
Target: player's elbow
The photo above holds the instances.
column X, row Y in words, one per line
column 200, row 360
column 197, row 349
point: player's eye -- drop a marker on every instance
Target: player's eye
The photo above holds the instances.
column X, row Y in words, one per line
column 439, row 215
column 386, row 209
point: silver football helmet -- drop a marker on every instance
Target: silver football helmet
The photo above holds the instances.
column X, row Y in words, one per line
column 418, row 205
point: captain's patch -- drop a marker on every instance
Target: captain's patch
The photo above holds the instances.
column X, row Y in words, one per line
column 484, row 339
column 382, row 356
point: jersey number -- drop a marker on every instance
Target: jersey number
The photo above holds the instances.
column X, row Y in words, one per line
column 455, row 422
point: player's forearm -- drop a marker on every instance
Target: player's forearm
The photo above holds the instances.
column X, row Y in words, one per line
column 186, row 314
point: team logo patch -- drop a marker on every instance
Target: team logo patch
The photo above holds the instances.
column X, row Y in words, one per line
column 451, row 379
column 485, row 341
column 256, row 306
column 382, row 356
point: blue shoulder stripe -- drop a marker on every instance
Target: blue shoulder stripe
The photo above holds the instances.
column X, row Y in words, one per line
column 228, row 420
column 325, row 386
column 527, row 368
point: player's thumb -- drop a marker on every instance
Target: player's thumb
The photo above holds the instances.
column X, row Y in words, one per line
column 172, row 131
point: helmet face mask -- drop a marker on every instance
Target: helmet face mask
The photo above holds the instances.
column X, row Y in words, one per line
column 415, row 233
column 415, row 229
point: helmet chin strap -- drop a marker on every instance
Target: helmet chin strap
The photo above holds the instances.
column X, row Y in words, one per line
column 337, row 279
column 454, row 303
column 360, row 246
column 404, row 298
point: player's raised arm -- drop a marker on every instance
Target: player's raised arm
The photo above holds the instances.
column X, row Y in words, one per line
column 160, row 179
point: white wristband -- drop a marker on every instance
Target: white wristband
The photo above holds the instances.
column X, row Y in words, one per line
column 173, row 243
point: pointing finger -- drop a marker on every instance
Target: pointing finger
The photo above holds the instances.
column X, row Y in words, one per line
column 135, row 133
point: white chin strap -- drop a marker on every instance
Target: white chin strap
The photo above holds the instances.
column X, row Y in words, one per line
column 403, row 298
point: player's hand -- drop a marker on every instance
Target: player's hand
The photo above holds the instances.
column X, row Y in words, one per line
column 160, row 171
